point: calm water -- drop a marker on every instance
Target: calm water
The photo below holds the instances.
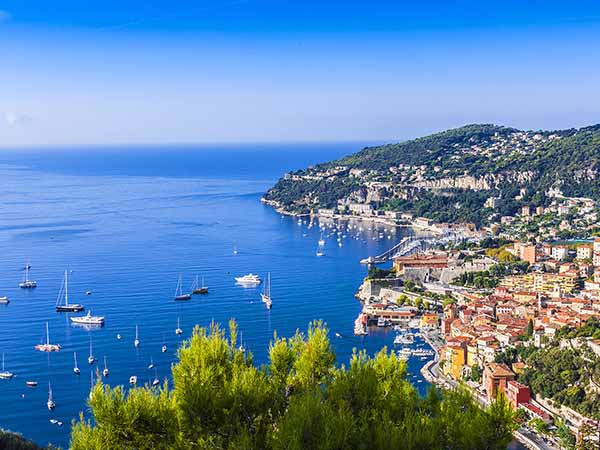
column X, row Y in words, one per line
column 127, row 222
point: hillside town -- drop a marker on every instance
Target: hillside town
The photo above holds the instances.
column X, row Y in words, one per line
column 487, row 307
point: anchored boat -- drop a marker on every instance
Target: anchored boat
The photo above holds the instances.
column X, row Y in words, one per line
column 179, row 295
column 27, row 283
column 48, row 347
column 266, row 295
column 66, row 306
column 197, row 289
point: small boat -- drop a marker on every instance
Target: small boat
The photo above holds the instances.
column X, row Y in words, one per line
column 66, row 306
column 235, row 251
column 27, row 283
column 151, row 365
column 4, row 300
column 320, row 253
column 266, row 295
column 163, row 349
column 136, row 342
column 133, row 380
column 338, row 335
column 91, row 358
column 119, row 337
column 88, row 292
column 381, row 322
column 179, row 295
column 31, row 383
column 48, row 347
column 88, row 319
column 53, row 421
column 105, row 371
column 197, row 289
column 178, row 330
column 5, row 374
column 76, row 369
column 156, row 381
column 50, row 403
column 242, row 347
column 248, row 280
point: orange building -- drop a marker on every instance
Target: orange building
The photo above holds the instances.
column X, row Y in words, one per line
column 495, row 379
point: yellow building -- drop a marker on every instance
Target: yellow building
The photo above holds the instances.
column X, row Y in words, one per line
column 455, row 357
column 429, row 320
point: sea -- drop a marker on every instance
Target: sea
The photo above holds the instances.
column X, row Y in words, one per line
column 126, row 222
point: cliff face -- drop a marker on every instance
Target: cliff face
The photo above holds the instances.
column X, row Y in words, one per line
column 468, row 165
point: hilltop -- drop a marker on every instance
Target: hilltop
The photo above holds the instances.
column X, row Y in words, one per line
column 475, row 173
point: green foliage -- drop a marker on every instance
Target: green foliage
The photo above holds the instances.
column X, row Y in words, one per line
column 299, row 400
column 376, row 273
column 452, row 154
column 13, row 441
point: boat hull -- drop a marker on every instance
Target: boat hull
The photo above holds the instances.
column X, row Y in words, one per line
column 182, row 297
column 69, row 308
column 200, row 291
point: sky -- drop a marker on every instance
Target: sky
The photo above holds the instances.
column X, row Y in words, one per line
column 78, row 72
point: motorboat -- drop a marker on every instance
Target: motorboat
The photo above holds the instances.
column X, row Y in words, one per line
column 4, row 300
column 63, row 294
column 88, row 319
column 248, row 280
column 31, row 383
column 133, row 380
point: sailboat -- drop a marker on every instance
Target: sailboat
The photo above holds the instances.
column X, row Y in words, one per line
column 241, row 348
column 266, row 295
column 151, row 365
column 105, row 371
column 48, row 347
column 50, row 403
column 66, row 307
column 179, row 295
column 91, row 358
column 136, row 342
column 5, row 374
column 197, row 289
column 156, row 381
column 178, row 330
column 76, row 369
column 27, row 283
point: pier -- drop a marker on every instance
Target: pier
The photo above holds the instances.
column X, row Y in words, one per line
column 406, row 246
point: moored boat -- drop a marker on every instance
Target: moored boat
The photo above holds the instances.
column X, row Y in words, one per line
column 50, row 403
column 248, row 280
column 266, row 295
column 199, row 289
column 48, row 347
column 27, row 283
column 66, row 306
column 179, row 294
column 5, row 374
column 4, row 300
column 88, row 319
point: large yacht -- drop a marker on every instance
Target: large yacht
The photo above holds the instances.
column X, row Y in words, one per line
column 88, row 319
column 66, row 306
column 249, row 279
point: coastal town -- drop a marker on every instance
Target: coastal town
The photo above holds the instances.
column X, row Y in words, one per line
column 494, row 302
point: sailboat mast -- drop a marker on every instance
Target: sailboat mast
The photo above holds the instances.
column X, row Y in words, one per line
column 66, row 289
column 47, row 335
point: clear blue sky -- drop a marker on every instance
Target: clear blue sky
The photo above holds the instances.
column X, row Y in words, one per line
column 110, row 71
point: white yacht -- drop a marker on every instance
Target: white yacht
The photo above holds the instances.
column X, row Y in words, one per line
column 248, row 280
column 266, row 295
column 133, row 380
column 76, row 369
column 4, row 300
column 66, row 306
column 48, row 347
column 88, row 319
column 5, row 374
column 27, row 283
